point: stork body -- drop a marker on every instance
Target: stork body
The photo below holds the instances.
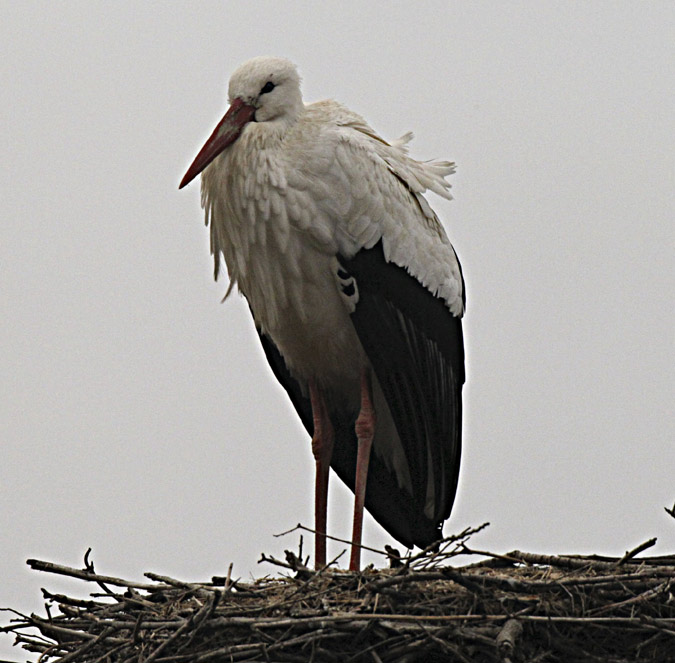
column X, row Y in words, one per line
column 355, row 289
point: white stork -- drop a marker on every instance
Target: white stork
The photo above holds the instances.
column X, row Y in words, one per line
column 355, row 289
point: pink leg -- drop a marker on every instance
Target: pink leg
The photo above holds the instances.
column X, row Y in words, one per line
column 365, row 430
column 322, row 448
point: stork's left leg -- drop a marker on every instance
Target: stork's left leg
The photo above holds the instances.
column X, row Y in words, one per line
column 322, row 448
column 365, row 431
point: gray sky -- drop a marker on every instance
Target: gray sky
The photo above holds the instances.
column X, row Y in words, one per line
column 138, row 415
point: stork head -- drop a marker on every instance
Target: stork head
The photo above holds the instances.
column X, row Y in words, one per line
column 263, row 89
column 270, row 85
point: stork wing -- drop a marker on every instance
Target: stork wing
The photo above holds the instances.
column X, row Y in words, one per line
column 415, row 346
column 416, row 349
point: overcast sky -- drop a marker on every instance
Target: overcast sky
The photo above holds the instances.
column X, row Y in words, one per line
column 138, row 415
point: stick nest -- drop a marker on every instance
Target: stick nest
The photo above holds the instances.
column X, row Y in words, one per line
column 516, row 607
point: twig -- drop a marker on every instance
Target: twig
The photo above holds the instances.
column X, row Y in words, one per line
column 49, row 567
column 88, row 646
column 300, row 526
column 644, row 596
column 636, row 551
column 506, row 639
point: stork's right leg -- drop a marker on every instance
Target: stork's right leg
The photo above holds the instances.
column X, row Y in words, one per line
column 365, row 431
column 322, row 448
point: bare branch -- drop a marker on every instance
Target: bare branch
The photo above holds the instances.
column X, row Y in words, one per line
column 636, row 551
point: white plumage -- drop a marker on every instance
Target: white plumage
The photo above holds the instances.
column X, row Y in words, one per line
column 293, row 193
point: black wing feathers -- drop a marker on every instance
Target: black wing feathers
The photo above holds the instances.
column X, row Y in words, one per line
column 416, row 349
column 301, row 403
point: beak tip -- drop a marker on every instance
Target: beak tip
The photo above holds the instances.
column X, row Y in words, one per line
column 187, row 178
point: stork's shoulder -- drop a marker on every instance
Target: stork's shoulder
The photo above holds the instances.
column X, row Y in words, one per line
column 354, row 134
column 330, row 111
column 367, row 189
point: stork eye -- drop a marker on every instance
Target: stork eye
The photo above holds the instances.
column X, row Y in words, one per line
column 268, row 87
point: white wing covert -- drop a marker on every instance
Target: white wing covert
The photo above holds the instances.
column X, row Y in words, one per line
column 372, row 190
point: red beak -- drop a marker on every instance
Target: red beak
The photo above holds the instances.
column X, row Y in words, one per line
column 227, row 131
